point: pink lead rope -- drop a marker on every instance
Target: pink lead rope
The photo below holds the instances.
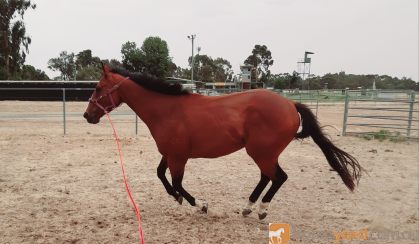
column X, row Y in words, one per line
column 137, row 213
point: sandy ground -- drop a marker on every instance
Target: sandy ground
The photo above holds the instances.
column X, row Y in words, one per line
column 68, row 189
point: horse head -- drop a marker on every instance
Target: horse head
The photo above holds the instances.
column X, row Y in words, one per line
column 105, row 97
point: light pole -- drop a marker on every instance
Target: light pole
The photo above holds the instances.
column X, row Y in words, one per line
column 192, row 38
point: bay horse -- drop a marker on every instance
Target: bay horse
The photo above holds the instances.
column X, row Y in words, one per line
column 186, row 125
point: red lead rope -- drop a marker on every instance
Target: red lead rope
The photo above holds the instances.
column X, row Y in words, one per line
column 137, row 213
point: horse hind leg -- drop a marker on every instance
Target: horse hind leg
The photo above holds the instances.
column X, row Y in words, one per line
column 277, row 181
column 263, row 182
column 265, row 153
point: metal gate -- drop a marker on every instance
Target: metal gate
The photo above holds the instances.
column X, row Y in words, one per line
column 372, row 111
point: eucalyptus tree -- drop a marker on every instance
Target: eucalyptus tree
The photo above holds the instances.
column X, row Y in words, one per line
column 14, row 42
column 261, row 60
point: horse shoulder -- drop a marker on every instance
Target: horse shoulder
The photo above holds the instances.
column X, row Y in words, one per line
column 170, row 132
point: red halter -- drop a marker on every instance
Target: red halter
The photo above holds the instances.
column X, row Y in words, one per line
column 111, row 107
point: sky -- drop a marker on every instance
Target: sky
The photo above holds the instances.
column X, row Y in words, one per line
column 356, row 36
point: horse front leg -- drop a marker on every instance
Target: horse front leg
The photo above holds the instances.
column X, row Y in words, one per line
column 161, row 173
column 177, row 169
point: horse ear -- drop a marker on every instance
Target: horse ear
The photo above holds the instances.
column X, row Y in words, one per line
column 105, row 69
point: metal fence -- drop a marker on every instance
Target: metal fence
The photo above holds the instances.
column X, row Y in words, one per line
column 394, row 113
column 365, row 111
column 55, row 113
column 67, row 115
column 313, row 98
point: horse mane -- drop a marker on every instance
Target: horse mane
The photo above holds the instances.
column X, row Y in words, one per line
column 152, row 83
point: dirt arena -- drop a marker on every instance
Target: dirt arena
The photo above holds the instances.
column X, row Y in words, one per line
column 69, row 189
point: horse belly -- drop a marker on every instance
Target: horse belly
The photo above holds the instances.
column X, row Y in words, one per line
column 215, row 152
column 216, row 143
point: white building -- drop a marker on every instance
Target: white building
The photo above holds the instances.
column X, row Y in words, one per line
column 245, row 76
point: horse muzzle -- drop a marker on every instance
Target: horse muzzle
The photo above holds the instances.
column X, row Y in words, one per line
column 90, row 119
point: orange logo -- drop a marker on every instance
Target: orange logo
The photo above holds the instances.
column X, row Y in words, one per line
column 279, row 233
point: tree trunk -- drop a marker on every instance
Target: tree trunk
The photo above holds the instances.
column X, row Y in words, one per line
column 6, row 51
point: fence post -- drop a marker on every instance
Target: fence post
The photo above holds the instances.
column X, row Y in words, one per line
column 136, row 124
column 411, row 107
column 64, row 119
column 345, row 112
column 317, row 102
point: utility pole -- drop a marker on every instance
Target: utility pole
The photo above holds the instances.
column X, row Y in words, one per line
column 192, row 38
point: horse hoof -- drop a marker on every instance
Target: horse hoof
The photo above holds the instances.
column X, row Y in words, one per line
column 204, row 207
column 246, row 212
column 180, row 200
column 262, row 215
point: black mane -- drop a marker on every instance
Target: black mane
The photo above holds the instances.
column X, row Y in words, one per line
column 152, row 83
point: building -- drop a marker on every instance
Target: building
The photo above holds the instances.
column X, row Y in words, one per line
column 245, row 77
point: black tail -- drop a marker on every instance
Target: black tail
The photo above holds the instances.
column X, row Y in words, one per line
column 346, row 165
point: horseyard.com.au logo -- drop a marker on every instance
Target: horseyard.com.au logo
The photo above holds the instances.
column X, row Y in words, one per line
column 279, row 233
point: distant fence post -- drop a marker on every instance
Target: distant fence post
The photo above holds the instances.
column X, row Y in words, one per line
column 345, row 112
column 317, row 102
column 64, row 119
column 136, row 124
column 411, row 107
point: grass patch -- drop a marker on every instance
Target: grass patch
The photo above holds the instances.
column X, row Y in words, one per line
column 383, row 135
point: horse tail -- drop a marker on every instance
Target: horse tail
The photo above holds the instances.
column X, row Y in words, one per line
column 346, row 165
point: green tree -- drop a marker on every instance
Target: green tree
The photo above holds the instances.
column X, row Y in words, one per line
column 261, row 59
column 131, row 56
column 332, row 81
column 182, row 73
column 281, row 81
column 286, row 81
column 152, row 57
column 172, row 68
column 88, row 73
column 83, row 66
column 314, row 83
column 342, row 80
column 295, row 80
column 14, row 43
column 211, row 70
column 29, row 72
column 205, row 74
column 222, row 70
column 88, row 67
column 65, row 64
column 112, row 62
column 85, row 59
column 155, row 58
column 203, row 68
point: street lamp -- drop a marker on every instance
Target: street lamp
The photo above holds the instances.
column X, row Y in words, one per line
column 192, row 38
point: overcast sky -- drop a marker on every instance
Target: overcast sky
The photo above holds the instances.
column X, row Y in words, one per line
column 356, row 36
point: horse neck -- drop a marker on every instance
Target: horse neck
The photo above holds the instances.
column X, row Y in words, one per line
column 150, row 106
